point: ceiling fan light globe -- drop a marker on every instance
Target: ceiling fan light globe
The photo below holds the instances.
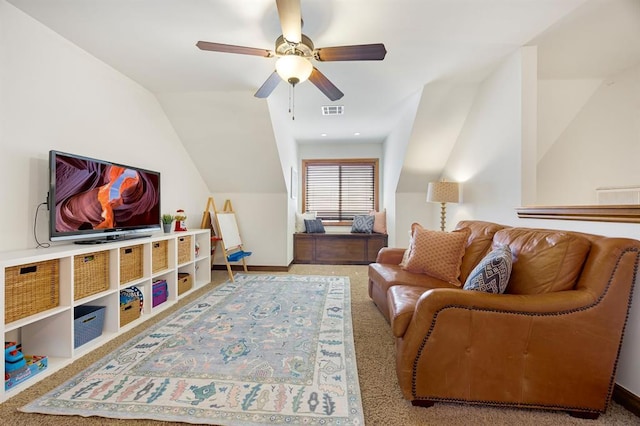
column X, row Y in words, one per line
column 293, row 69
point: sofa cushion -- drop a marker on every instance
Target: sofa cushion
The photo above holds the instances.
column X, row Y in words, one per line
column 402, row 303
column 543, row 260
column 387, row 275
column 384, row 276
column 492, row 274
column 437, row 253
column 478, row 245
column 362, row 224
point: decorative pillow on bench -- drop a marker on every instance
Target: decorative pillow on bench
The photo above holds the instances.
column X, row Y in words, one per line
column 314, row 226
column 301, row 217
column 362, row 224
column 379, row 221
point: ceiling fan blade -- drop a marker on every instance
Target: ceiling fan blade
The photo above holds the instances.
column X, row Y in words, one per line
column 361, row 52
column 325, row 86
column 268, row 86
column 229, row 48
column 290, row 19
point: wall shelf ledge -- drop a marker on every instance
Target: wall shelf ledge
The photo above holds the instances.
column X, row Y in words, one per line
column 628, row 213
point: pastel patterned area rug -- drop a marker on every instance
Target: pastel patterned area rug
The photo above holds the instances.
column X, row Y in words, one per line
column 263, row 350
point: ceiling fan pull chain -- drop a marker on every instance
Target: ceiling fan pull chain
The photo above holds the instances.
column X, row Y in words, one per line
column 293, row 102
column 292, row 99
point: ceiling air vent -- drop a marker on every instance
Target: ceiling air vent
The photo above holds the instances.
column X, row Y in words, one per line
column 332, row 109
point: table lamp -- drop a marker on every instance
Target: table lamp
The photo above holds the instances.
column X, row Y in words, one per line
column 443, row 192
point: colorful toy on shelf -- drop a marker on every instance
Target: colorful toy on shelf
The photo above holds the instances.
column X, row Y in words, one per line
column 14, row 362
column 181, row 218
column 19, row 367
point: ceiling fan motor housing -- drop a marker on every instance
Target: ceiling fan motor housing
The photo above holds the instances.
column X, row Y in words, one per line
column 304, row 48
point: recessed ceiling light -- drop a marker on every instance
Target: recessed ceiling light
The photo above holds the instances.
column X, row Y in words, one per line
column 356, row 134
column 323, row 134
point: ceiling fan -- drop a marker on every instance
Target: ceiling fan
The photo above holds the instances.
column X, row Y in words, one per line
column 294, row 51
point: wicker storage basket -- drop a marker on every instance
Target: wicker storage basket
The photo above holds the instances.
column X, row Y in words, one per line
column 184, row 282
column 31, row 288
column 159, row 258
column 91, row 274
column 131, row 300
column 130, row 264
column 184, row 249
column 129, row 312
column 87, row 323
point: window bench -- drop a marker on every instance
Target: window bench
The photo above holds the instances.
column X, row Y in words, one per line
column 337, row 248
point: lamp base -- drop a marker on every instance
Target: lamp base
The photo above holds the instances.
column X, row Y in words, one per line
column 443, row 215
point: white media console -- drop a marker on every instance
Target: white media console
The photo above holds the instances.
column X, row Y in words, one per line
column 51, row 332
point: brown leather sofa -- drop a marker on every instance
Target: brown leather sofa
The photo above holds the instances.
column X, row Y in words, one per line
column 551, row 341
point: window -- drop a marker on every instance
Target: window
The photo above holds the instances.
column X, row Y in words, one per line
column 339, row 189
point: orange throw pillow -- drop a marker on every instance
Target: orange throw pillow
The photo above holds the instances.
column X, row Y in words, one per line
column 379, row 221
column 436, row 253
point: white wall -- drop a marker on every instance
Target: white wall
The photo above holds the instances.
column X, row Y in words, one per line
column 600, row 144
column 230, row 137
column 394, row 151
column 413, row 207
column 56, row 96
column 487, row 158
column 593, row 140
column 307, row 151
column 288, row 153
column 339, row 150
column 262, row 222
column 242, row 157
column 559, row 102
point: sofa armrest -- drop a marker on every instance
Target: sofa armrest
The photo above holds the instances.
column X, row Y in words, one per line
column 390, row 255
column 454, row 310
column 432, row 301
column 454, row 331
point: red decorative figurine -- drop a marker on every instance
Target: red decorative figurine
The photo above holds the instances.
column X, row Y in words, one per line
column 181, row 218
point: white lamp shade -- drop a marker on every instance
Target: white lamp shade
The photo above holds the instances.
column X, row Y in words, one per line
column 293, row 68
column 443, row 192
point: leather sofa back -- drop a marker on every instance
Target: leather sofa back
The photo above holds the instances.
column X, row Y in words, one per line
column 478, row 245
column 543, row 260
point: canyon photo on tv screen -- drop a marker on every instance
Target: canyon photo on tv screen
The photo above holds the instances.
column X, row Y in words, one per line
column 96, row 198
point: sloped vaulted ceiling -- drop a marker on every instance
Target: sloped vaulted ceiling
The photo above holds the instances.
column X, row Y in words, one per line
column 230, row 139
column 456, row 42
column 440, row 116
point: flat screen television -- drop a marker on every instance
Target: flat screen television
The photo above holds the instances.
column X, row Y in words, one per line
column 94, row 201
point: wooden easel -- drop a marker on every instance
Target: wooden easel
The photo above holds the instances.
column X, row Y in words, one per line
column 228, row 234
column 207, row 223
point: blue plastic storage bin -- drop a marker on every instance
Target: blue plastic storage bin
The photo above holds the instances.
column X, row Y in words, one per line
column 87, row 323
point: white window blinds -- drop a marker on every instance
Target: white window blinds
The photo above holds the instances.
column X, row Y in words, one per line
column 339, row 190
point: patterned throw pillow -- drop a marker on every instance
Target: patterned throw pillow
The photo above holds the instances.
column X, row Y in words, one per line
column 362, row 224
column 492, row 274
column 437, row 253
column 314, row 226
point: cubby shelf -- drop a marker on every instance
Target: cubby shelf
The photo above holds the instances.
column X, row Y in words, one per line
column 51, row 332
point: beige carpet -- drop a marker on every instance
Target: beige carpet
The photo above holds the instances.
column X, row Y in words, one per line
column 381, row 398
